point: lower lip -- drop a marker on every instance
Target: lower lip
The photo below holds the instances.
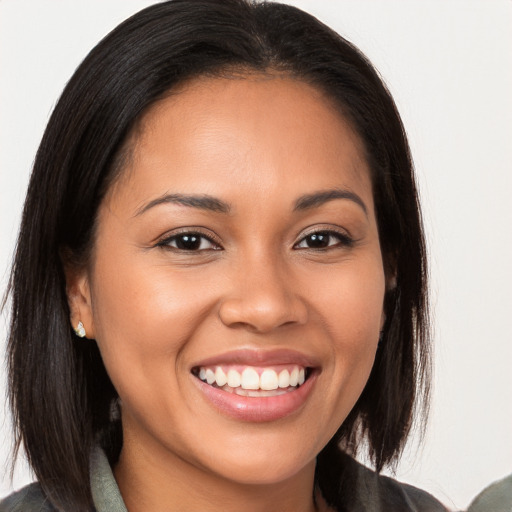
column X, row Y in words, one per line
column 257, row 409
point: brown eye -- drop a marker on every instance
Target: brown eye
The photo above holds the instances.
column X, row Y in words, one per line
column 189, row 242
column 323, row 240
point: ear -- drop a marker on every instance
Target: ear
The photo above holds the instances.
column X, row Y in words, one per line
column 382, row 320
column 79, row 298
column 390, row 276
column 390, row 270
column 391, row 282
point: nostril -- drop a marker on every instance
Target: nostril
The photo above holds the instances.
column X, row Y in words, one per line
column 262, row 314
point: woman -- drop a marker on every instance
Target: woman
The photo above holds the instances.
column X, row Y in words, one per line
column 219, row 292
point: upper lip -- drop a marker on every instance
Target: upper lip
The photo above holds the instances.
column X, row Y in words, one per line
column 259, row 357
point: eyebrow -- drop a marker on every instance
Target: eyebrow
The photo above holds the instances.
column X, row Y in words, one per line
column 213, row 204
column 321, row 197
column 203, row 202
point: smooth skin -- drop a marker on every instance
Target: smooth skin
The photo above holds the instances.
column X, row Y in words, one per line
column 260, row 274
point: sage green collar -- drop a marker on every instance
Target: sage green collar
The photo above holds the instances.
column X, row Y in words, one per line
column 105, row 492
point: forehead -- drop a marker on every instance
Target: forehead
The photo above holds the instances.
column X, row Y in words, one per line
column 267, row 132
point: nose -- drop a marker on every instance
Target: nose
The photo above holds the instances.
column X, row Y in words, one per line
column 263, row 298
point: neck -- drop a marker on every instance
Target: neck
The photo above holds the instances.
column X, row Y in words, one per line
column 150, row 480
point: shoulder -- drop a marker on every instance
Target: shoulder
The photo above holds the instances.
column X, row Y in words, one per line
column 497, row 497
column 348, row 485
column 397, row 496
column 28, row 499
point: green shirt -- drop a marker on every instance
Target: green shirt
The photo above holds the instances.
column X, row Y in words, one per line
column 372, row 492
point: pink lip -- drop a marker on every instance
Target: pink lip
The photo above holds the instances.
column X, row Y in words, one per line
column 251, row 357
column 258, row 409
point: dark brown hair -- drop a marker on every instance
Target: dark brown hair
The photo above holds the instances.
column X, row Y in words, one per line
column 60, row 393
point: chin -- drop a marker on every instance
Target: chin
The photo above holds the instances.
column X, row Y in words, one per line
column 262, row 465
column 267, row 473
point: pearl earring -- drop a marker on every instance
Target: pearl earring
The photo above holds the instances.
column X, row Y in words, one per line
column 80, row 330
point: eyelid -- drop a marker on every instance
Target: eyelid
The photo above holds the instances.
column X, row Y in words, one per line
column 324, row 228
column 164, row 240
column 344, row 236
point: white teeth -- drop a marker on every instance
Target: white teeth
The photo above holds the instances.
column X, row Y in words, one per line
column 250, row 379
column 234, row 379
column 220, row 377
column 263, row 393
column 294, row 377
column 256, row 393
column 210, row 376
column 268, row 380
column 284, row 379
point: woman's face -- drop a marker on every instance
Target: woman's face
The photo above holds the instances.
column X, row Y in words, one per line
column 237, row 253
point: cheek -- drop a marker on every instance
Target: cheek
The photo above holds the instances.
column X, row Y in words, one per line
column 143, row 316
column 351, row 309
column 351, row 301
column 360, row 325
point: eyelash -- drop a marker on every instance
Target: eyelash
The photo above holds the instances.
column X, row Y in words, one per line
column 166, row 242
column 343, row 240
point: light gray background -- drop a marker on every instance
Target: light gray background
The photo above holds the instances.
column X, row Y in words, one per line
column 449, row 66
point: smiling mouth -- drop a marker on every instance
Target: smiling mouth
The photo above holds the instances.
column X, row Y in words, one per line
column 251, row 381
